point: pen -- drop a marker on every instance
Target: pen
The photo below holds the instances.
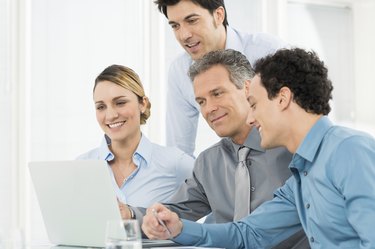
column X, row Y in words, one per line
column 162, row 223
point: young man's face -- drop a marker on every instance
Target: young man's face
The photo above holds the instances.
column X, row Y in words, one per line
column 197, row 31
column 222, row 104
column 265, row 114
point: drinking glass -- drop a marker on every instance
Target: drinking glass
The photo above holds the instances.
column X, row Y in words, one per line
column 123, row 234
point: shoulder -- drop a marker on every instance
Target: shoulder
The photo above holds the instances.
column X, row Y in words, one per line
column 258, row 45
column 162, row 150
column 102, row 152
column 217, row 152
column 180, row 64
column 347, row 139
column 345, row 136
column 348, row 148
column 169, row 156
column 220, row 157
column 351, row 157
column 260, row 39
column 91, row 154
column 264, row 40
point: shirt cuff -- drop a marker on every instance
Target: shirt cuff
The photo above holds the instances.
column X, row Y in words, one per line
column 191, row 233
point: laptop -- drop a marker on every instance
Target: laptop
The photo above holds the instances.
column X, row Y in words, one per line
column 77, row 199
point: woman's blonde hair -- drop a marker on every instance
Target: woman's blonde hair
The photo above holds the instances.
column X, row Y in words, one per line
column 128, row 79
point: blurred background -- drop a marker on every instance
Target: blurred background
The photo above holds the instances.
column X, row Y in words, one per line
column 52, row 50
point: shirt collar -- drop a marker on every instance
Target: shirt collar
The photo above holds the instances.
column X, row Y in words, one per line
column 252, row 141
column 144, row 149
column 311, row 143
column 104, row 152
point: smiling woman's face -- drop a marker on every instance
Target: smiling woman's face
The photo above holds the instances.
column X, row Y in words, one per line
column 117, row 110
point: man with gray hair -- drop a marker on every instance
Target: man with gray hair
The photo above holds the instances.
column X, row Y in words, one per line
column 221, row 81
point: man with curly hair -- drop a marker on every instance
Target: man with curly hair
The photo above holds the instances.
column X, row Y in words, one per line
column 331, row 193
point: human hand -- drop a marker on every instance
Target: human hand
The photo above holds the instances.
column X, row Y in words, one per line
column 125, row 212
column 155, row 229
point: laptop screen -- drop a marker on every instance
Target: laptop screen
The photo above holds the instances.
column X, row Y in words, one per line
column 76, row 199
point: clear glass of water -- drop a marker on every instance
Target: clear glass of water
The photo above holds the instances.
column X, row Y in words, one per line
column 123, row 234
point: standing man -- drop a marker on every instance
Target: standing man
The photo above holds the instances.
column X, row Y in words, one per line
column 201, row 26
column 221, row 86
column 331, row 193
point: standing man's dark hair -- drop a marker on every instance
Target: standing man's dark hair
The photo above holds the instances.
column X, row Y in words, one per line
column 209, row 5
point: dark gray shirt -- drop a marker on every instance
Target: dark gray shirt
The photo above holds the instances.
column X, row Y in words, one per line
column 211, row 189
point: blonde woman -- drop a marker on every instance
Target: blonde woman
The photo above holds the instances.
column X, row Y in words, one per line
column 143, row 172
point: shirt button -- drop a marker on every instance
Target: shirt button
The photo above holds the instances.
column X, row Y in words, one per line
column 307, row 205
column 305, row 173
column 252, row 189
column 312, row 239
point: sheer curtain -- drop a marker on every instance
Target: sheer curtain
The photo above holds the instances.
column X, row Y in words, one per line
column 6, row 192
column 11, row 83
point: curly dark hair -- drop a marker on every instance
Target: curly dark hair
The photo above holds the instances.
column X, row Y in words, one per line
column 302, row 72
column 209, row 5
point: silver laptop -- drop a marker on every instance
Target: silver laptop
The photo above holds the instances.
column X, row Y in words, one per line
column 77, row 199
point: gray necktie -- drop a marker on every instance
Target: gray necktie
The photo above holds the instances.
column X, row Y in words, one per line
column 242, row 190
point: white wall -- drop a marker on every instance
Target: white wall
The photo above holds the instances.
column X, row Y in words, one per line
column 328, row 30
column 364, row 65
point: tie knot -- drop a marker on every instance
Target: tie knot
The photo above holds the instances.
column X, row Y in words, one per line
column 242, row 153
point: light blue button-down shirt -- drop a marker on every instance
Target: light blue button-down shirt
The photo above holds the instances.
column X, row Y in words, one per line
column 182, row 110
column 332, row 195
column 160, row 171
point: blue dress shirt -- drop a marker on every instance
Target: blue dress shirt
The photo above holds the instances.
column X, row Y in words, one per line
column 331, row 194
column 182, row 110
column 160, row 171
